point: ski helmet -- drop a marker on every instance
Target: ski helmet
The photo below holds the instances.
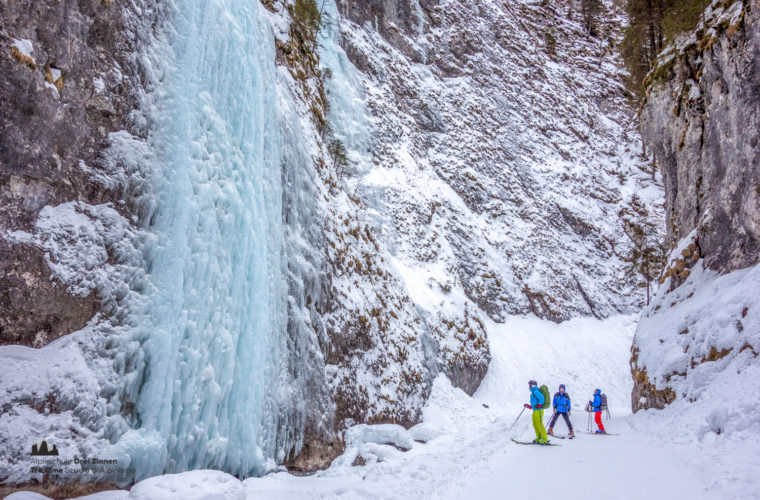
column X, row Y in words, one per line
column 532, row 383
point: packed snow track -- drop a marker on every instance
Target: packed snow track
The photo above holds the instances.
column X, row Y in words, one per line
column 468, row 453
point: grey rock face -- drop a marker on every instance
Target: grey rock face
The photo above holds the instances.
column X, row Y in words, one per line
column 34, row 308
column 58, row 104
column 702, row 119
column 703, row 122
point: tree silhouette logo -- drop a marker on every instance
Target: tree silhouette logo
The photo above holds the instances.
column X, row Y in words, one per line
column 43, row 450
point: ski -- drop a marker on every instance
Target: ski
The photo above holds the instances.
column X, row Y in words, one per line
column 537, row 444
column 605, row 434
column 556, row 436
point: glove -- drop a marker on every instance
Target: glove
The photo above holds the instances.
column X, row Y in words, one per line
column 527, row 405
column 569, row 413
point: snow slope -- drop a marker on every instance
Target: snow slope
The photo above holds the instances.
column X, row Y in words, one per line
column 699, row 344
column 468, row 452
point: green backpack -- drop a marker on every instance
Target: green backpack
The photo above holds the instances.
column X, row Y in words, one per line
column 547, row 398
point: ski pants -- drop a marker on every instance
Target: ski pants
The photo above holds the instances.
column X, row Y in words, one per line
column 556, row 416
column 598, row 420
column 538, row 425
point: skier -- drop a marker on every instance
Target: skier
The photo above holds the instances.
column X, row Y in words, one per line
column 537, row 405
column 597, row 407
column 561, row 404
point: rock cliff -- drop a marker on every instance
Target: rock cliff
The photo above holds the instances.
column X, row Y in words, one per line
column 69, row 79
column 701, row 117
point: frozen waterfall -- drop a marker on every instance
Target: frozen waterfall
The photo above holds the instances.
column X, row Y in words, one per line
column 213, row 328
column 211, row 352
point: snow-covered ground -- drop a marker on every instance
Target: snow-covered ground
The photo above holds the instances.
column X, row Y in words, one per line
column 468, row 451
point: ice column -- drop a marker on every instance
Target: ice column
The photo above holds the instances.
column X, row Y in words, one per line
column 214, row 319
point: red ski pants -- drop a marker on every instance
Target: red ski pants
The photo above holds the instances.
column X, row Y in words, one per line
column 598, row 420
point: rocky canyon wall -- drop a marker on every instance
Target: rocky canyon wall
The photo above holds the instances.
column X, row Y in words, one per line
column 701, row 117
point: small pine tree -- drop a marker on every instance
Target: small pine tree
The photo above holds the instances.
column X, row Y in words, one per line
column 340, row 162
column 590, row 10
column 306, row 19
column 551, row 42
column 647, row 255
column 647, row 262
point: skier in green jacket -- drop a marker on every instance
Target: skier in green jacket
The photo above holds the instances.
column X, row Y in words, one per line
column 537, row 405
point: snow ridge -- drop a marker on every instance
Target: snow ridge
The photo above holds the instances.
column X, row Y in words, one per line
column 700, row 342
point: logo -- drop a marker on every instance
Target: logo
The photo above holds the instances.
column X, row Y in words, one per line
column 43, row 450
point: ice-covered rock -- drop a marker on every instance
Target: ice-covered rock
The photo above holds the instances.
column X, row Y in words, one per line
column 47, row 134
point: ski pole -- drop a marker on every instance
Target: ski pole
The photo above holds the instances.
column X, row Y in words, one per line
column 550, row 419
column 518, row 418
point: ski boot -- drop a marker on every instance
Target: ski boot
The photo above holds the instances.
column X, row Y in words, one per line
column 600, row 432
column 571, row 434
column 550, row 431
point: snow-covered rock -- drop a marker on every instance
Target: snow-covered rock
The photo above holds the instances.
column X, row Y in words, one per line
column 697, row 347
column 487, row 180
column 697, row 343
column 498, row 169
column 48, row 134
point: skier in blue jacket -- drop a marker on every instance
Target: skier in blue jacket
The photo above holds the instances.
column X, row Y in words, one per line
column 537, row 405
column 598, row 407
column 561, row 404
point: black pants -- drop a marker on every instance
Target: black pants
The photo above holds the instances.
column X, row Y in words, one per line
column 554, row 420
